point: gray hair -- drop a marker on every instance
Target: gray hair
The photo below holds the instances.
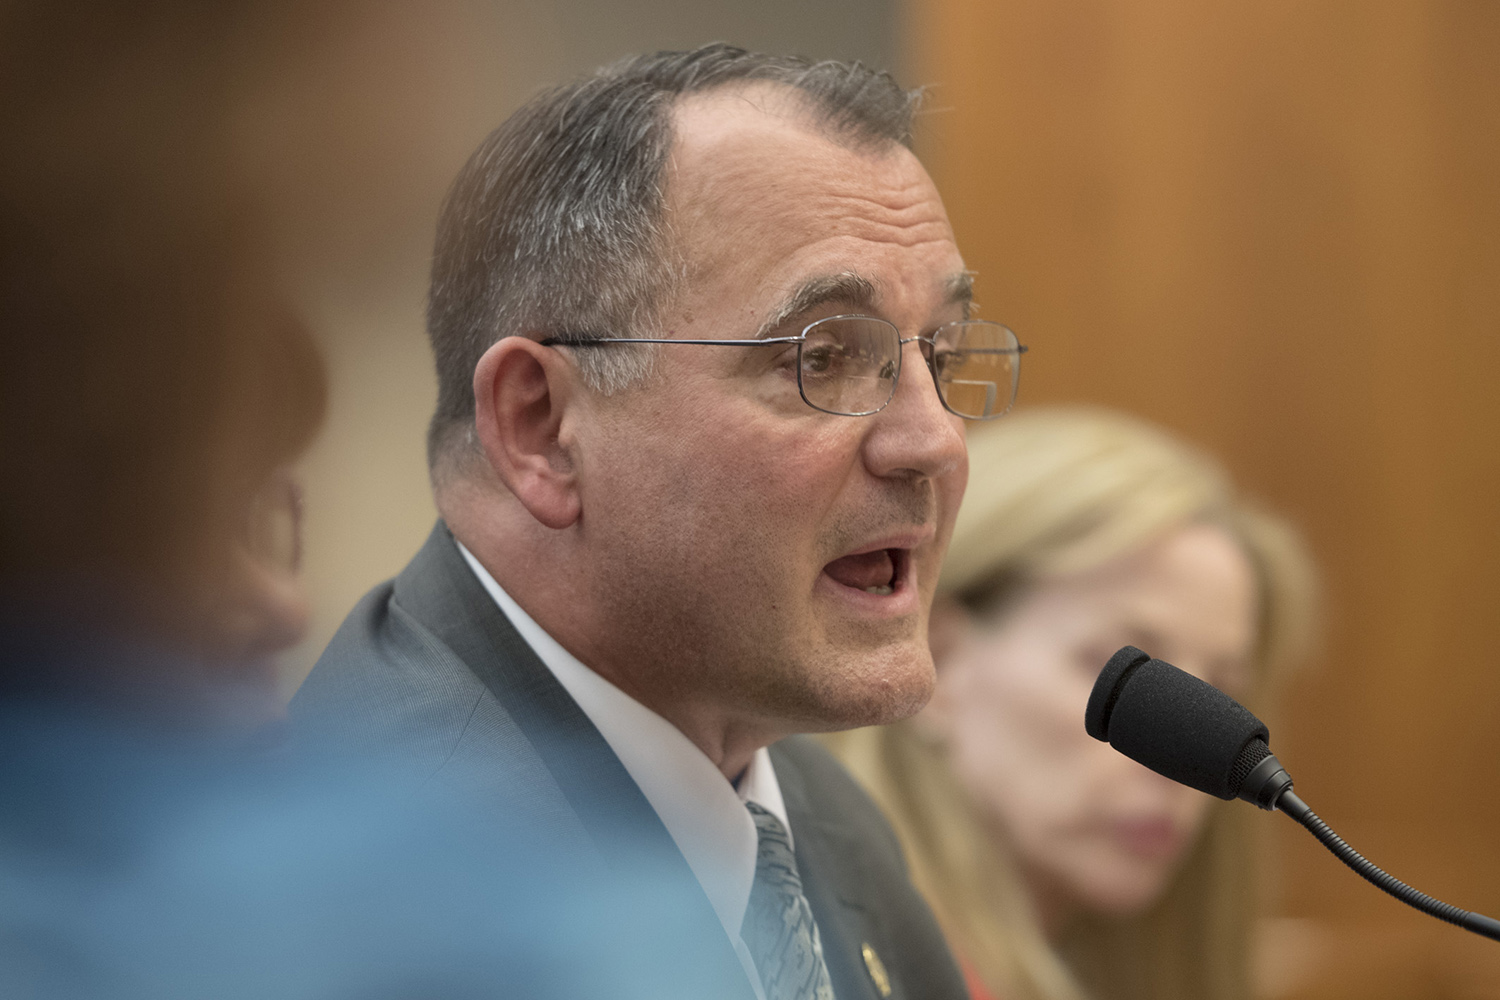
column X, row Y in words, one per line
column 555, row 226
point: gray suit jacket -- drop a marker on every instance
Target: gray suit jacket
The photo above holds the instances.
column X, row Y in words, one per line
column 427, row 668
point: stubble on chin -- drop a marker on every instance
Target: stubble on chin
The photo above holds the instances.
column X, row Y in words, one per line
column 838, row 687
column 786, row 683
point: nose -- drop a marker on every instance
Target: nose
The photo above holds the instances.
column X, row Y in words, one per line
column 914, row 435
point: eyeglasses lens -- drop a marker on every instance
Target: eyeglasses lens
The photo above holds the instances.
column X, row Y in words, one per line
column 849, row 364
column 977, row 365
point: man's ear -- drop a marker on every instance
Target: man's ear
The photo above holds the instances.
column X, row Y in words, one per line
column 521, row 394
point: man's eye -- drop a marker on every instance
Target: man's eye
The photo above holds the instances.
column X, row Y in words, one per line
column 784, row 358
column 818, row 360
column 948, row 364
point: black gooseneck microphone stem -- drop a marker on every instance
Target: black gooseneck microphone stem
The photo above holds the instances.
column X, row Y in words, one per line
column 1294, row 807
column 1185, row 729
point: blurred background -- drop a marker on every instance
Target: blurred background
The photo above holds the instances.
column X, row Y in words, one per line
column 1271, row 226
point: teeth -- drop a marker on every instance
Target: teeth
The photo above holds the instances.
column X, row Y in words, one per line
column 881, row 589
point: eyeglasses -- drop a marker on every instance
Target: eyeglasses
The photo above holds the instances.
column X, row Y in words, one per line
column 848, row 365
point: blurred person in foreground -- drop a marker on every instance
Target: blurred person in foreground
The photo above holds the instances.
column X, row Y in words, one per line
column 153, row 388
column 154, row 385
column 704, row 356
column 1059, row 868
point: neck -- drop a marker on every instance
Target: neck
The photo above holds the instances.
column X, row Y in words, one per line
column 541, row 571
column 730, row 743
column 1053, row 904
column 60, row 652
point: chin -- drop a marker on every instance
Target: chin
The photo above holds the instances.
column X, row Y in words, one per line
column 1121, row 894
column 875, row 688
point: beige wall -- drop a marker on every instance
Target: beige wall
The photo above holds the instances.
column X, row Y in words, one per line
column 1275, row 226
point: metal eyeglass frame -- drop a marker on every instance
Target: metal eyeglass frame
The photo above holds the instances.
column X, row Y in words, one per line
column 927, row 345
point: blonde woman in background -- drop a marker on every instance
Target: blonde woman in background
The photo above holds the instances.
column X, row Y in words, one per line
column 1060, row 869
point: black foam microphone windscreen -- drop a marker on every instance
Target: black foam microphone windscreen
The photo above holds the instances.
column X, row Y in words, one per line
column 1174, row 723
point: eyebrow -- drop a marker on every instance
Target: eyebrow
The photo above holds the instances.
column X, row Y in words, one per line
column 960, row 291
column 857, row 292
column 847, row 288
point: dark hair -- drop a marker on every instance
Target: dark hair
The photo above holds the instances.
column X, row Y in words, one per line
column 555, row 224
column 154, row 374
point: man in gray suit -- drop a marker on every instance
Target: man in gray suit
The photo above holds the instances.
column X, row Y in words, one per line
column 704, row 355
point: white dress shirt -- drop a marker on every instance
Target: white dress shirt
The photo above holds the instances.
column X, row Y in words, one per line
column 703, row 812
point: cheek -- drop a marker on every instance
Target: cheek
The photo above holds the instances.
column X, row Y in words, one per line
column 758, row 474
column 1194, row 810
column 731, row 503
column 1019, row 747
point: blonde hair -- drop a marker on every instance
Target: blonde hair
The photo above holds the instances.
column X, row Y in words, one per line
column 1053, row 492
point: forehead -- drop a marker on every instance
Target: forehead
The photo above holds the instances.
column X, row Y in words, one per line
column 759, row 197
column 1196, row 585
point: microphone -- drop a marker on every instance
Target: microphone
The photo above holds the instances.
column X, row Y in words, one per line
column 1186, row 729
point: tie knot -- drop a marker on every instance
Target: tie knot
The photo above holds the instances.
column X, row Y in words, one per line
column 775, row 862
column 768, row 827
column 779, row 928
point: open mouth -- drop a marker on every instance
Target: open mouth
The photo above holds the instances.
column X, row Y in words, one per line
column 879, row 572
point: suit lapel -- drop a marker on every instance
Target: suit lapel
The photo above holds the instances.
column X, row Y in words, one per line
column 440, row 591
column 828, row 861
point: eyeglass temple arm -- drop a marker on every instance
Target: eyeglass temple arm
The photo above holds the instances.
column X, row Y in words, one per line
column 565, row 342
column 932, row 342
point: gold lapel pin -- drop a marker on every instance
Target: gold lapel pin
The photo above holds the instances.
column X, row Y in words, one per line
column 877, row 969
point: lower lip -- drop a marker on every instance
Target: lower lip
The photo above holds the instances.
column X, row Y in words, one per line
column 1150, row 839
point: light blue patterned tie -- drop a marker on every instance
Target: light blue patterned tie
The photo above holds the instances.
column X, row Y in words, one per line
column 779, row 928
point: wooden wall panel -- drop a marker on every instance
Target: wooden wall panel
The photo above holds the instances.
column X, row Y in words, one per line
column 1275, row 227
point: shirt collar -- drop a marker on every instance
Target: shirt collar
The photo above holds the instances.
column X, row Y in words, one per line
column 703, row 812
